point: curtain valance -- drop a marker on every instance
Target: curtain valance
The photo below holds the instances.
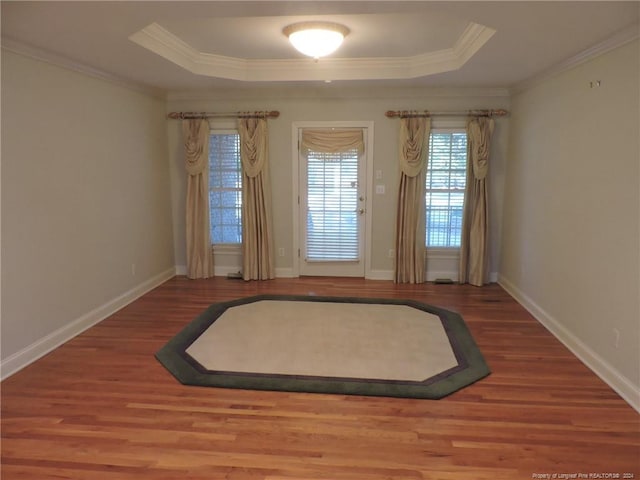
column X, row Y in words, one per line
column 253, row 145
column 196, row 141
column 412, row 145
column 332, row 140
column 479, row 130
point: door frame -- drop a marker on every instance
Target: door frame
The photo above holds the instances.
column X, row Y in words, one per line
column 295, row 187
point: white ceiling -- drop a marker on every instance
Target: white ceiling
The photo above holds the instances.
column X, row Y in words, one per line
column 199, row 45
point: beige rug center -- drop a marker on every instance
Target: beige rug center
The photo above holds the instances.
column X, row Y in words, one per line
column 348, row 340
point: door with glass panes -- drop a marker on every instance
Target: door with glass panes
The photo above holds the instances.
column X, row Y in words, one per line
column 332, row 205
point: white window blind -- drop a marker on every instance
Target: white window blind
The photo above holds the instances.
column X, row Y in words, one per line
column 225, row 188
column 332, row 203
column 446, row 181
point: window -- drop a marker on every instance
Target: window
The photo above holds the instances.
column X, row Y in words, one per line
column 446, row 181
column 225, row 187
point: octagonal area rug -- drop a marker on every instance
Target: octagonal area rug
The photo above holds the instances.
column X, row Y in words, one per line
column 354, row 346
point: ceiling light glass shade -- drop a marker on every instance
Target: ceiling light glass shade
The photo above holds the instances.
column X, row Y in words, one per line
column 316, row 39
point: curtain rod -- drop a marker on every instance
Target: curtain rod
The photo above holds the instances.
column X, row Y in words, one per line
column 205, row 115
column 427, row 113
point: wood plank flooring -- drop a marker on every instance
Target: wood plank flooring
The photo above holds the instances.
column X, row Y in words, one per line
column 102, row 408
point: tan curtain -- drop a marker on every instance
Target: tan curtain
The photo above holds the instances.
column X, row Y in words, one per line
column 257, row 241
column 410, row 221
column 196, row 144
column 474, row 248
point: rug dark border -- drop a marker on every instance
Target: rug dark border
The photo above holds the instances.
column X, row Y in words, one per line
column 471, row 364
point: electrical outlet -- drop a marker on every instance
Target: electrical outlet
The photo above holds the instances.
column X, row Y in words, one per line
column 616, row 337
column 391, row 253
column 281, row 252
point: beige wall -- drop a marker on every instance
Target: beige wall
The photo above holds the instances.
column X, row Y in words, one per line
column 570, row 243
column 335, row 104
column 85, row 194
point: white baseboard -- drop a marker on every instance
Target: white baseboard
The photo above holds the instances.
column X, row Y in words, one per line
column 285, row 273
column 223, row 271
column 217, row 271
column 431, row 276
column 621, row 384
column 39, row 348
column 379, row 275
column 371, row 275
column 389, row 275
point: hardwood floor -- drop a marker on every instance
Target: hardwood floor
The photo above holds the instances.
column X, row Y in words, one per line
column 101, row 406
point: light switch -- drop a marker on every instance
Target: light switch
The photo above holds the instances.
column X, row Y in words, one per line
column 380, row 189
column 378, row 174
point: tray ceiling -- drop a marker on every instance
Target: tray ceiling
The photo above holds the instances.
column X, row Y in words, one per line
column 268, row 59
column 176, row 46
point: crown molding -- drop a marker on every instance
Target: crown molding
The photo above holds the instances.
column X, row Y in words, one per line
column 19, row 48
column 162, row 42
column 471, row 40
column 619, row 39
column 333, row 91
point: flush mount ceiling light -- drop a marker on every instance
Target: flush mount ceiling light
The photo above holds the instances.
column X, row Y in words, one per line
column 316, row 39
